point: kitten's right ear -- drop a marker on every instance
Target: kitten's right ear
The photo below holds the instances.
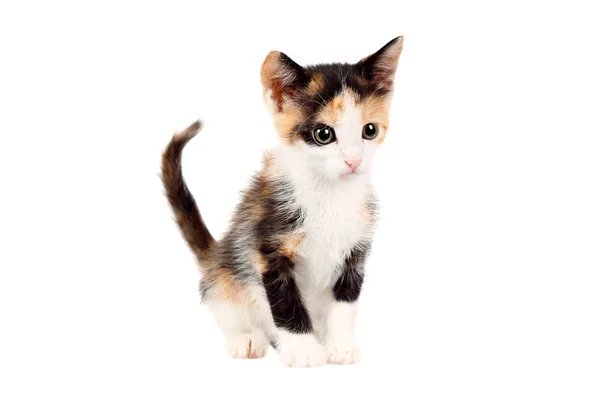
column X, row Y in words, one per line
column 380, row 67
column 282, row 79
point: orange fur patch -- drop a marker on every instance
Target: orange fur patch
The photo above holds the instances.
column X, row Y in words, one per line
column 286, row 121
column 335, row 107
column 259, row 262
column 227, row 289
column 291, row 244
column 269, row 76
column 376, row 110
column 267, row 159
column 317, row 84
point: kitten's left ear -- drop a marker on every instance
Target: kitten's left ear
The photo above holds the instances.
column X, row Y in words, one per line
column 380, row 67
column 282, row 78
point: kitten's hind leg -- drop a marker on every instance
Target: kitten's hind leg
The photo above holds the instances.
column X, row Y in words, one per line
column 243, row 340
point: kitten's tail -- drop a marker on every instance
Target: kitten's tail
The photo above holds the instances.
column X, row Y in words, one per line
column 181, row 200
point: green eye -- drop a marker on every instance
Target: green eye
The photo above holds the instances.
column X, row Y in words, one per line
column 324, row 135
column 370, row 131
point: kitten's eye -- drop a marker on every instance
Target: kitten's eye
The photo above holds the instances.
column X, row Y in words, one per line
column 370, row 131
column 324, row 134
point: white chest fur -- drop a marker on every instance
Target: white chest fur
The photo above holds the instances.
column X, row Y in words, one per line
column 334, row 223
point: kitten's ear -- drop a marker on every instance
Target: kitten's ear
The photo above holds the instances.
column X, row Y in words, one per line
column 282, row 79
column 380, row 67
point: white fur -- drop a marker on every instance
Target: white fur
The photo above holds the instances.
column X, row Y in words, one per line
column 243, row 329
column 341, row 344
column 348, row 130
column 300, row 350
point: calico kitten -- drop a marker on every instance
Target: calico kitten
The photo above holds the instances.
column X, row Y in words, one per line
column 289, row 270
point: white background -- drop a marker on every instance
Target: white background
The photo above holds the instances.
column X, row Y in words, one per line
column 484, row 280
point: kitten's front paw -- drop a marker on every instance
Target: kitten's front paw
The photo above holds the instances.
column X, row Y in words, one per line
column 344, row 352
column 247, row 345
column 302, row 351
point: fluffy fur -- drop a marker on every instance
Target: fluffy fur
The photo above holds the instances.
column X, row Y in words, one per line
column 289, row 270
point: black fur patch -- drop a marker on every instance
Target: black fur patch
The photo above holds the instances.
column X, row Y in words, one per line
column 281, row 215
column 299, row 74
column 234, row 258
column 369, row 66
column 348, row 286
column 283, row 294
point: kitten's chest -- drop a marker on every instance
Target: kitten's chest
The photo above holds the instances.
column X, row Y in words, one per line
column 333, row 225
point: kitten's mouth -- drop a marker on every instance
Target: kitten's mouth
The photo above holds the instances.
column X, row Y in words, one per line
column 350, row 173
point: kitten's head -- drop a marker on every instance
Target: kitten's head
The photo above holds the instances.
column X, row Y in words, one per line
column 332, row 116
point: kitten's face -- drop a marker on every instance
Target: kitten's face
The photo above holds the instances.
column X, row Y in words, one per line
column 332, row 116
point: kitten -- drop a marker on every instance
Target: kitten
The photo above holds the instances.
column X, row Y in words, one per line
column 289, row 270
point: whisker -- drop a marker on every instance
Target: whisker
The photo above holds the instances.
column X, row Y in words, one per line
column 324, row 102
column 312, row 101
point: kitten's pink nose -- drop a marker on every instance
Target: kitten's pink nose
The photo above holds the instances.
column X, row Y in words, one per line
column 353, row 164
